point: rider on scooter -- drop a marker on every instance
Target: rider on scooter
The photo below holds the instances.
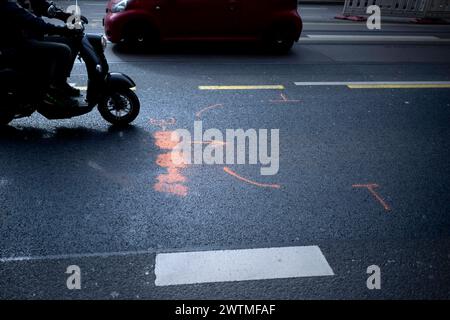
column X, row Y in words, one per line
column 41, row 8
column 45, row 63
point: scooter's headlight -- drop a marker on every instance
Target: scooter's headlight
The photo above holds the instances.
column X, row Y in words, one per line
column 120, row 6
column 104, row 43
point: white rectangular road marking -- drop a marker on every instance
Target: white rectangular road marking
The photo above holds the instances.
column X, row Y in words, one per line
column 240, row 265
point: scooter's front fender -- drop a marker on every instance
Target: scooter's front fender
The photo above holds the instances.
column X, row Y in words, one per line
column 115, row 81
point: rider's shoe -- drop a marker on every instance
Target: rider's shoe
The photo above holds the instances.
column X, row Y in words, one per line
column 69, row 90
column 55, row 97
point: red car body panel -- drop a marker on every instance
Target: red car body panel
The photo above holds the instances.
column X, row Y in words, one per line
column 204, row 19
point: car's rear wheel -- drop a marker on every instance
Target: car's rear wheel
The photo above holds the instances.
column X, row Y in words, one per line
column 141, row 35
column 279, row 39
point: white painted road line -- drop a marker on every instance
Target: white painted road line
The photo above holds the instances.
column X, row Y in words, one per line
column 312, row 8
column 240, row 265
column 370, row 83
column 75, row 256
column 365, row 37
column 375, row 38
column 363, row 24
column 84, row 88
column 240, row 87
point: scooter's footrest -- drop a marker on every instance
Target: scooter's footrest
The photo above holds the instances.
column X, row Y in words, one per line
column 80, row 110
column 52, row 112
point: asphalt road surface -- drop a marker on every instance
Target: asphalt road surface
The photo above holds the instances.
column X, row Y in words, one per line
column 364, row 175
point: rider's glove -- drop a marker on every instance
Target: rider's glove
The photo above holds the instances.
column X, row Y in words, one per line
column 84, row 19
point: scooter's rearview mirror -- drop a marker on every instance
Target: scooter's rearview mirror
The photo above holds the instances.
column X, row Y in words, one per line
column 52, row 11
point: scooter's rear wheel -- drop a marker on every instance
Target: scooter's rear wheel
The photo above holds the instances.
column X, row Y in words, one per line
column 6, row 115
column 120, row 107
column 5, row 119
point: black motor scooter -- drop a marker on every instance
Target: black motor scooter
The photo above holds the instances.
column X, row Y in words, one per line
column 111, row 93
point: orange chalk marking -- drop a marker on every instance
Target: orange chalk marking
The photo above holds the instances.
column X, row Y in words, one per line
column 176, row 189
column 284, row 99
column 262, row 185
column 199, row 114
column 163, row 140
column 371, row 187
column 172, row 181
column 171, row 160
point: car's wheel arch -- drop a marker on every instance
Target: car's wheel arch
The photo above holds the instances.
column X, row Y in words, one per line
column 294, row 25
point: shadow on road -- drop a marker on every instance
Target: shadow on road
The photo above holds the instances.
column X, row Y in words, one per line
column 201, row 48
column 16, row 134
column 81, row 156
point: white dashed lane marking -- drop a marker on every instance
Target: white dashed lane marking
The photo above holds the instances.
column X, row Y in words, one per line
column 366, row 38
column 381, row 84
column 239, row 87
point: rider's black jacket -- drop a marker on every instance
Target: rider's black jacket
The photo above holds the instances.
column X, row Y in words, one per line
column 38, row 7
column 15, row 21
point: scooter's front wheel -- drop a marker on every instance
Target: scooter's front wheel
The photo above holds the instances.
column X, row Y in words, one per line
column 120, row 107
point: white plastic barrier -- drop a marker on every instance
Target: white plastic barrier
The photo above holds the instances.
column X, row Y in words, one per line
column 400, row 8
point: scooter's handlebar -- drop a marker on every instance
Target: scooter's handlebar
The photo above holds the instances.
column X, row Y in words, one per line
column 53, row 11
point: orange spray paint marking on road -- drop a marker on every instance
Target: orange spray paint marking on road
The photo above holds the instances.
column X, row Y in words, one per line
column 173, row 181
column 371, row 187
column 284, row 99
column 262, row 185
column 199, row 114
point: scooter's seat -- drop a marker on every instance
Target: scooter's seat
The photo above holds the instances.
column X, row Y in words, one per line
column 7, row 55
column 7, row 73
column 10, row 79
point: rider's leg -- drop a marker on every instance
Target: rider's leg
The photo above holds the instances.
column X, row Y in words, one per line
column 46, row 64
column 73, row 45
column 49, row 59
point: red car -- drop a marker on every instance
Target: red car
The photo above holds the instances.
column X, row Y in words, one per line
column 276, row 22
